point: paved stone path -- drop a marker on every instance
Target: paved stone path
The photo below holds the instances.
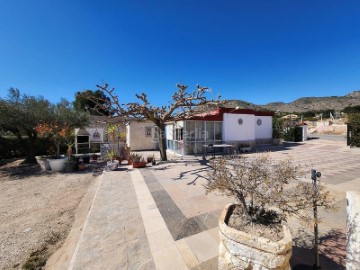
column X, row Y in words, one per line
column 160, row 218
column 113, row 236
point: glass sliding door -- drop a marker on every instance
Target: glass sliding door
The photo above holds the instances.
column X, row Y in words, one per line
column 199, row 133
column 218, row 132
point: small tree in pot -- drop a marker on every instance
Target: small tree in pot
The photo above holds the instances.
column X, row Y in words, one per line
column 253, row 233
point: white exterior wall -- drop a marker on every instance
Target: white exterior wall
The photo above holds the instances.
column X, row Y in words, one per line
column 136, row 139
column 169, row 131
column 233, row 131
column 304, row 133
column 180, row 124
column 264, row 131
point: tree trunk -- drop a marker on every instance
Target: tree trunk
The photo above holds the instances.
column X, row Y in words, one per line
column 29, row 145
column 30, row 157
column 162, row 142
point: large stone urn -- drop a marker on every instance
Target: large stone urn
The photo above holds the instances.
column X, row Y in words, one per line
column 57, row 165
column 240, row 250
column 44, row 163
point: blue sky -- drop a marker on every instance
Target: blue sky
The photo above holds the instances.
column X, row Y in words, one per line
column 258, row 51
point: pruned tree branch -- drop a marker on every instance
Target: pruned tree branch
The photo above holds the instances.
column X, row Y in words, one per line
column 182, row 104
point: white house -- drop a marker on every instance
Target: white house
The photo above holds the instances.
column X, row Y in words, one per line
column 239, row 127
column 142, row 135
column 186, row 136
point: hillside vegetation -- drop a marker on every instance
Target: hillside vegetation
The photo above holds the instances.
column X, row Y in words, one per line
column 338, row 103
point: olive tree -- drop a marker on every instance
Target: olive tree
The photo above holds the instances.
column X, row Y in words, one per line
column 87, row 104
column 260, row 185
column 21, row 114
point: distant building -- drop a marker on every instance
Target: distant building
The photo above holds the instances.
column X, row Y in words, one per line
column 290, row 116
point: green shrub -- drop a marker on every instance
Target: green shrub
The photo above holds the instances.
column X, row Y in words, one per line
column 10, row 147
column 353, row 135
column 293, row 134
column 352, row 109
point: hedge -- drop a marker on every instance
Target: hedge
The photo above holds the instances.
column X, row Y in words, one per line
column 10, row 147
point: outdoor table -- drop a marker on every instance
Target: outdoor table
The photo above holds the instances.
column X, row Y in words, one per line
column 214, row 146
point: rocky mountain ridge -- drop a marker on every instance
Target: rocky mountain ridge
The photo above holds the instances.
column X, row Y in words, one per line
column 338, row 103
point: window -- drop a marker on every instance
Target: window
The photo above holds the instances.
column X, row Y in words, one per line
column 156, row 134
column 148, row 131
column 178, row 134
column 210, row 131
column 199, row 131
column 218, row 131
column 190, row 130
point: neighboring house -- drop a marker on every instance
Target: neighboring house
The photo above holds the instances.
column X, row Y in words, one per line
column 95, row 134
column 142, row 135
column 139, row 135
column 239, row 127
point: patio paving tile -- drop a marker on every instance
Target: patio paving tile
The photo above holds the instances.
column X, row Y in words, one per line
column 169, row 258
column 188, row 255
column 114, row 235
column 160, row 240
column 154, row 225
column 203, row 245
column 161, row 218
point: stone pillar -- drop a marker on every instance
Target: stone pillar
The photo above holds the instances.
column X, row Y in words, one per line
column 353, row 230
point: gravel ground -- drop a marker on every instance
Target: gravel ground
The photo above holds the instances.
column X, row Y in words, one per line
column 36, row 209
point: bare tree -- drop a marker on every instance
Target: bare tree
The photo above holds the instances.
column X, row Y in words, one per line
column 259, row 184
column 181, row 105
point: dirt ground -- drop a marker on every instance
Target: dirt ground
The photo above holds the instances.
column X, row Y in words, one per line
column 37, row 210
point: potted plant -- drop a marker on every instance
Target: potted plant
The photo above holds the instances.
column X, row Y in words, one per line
column 132, row 157
column 86, row 159
column 253, row 232
column 150, row 158
column 112, row 164
column 93, row 149
column 137, row 161
column 81, row 166
column 117, row 141
column 44, row 163
column 58, row 134
column 70, row 164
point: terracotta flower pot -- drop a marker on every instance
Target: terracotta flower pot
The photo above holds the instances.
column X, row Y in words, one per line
column 81, row 166
column 241, row 250
column 119, row 159
column 139, row 164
